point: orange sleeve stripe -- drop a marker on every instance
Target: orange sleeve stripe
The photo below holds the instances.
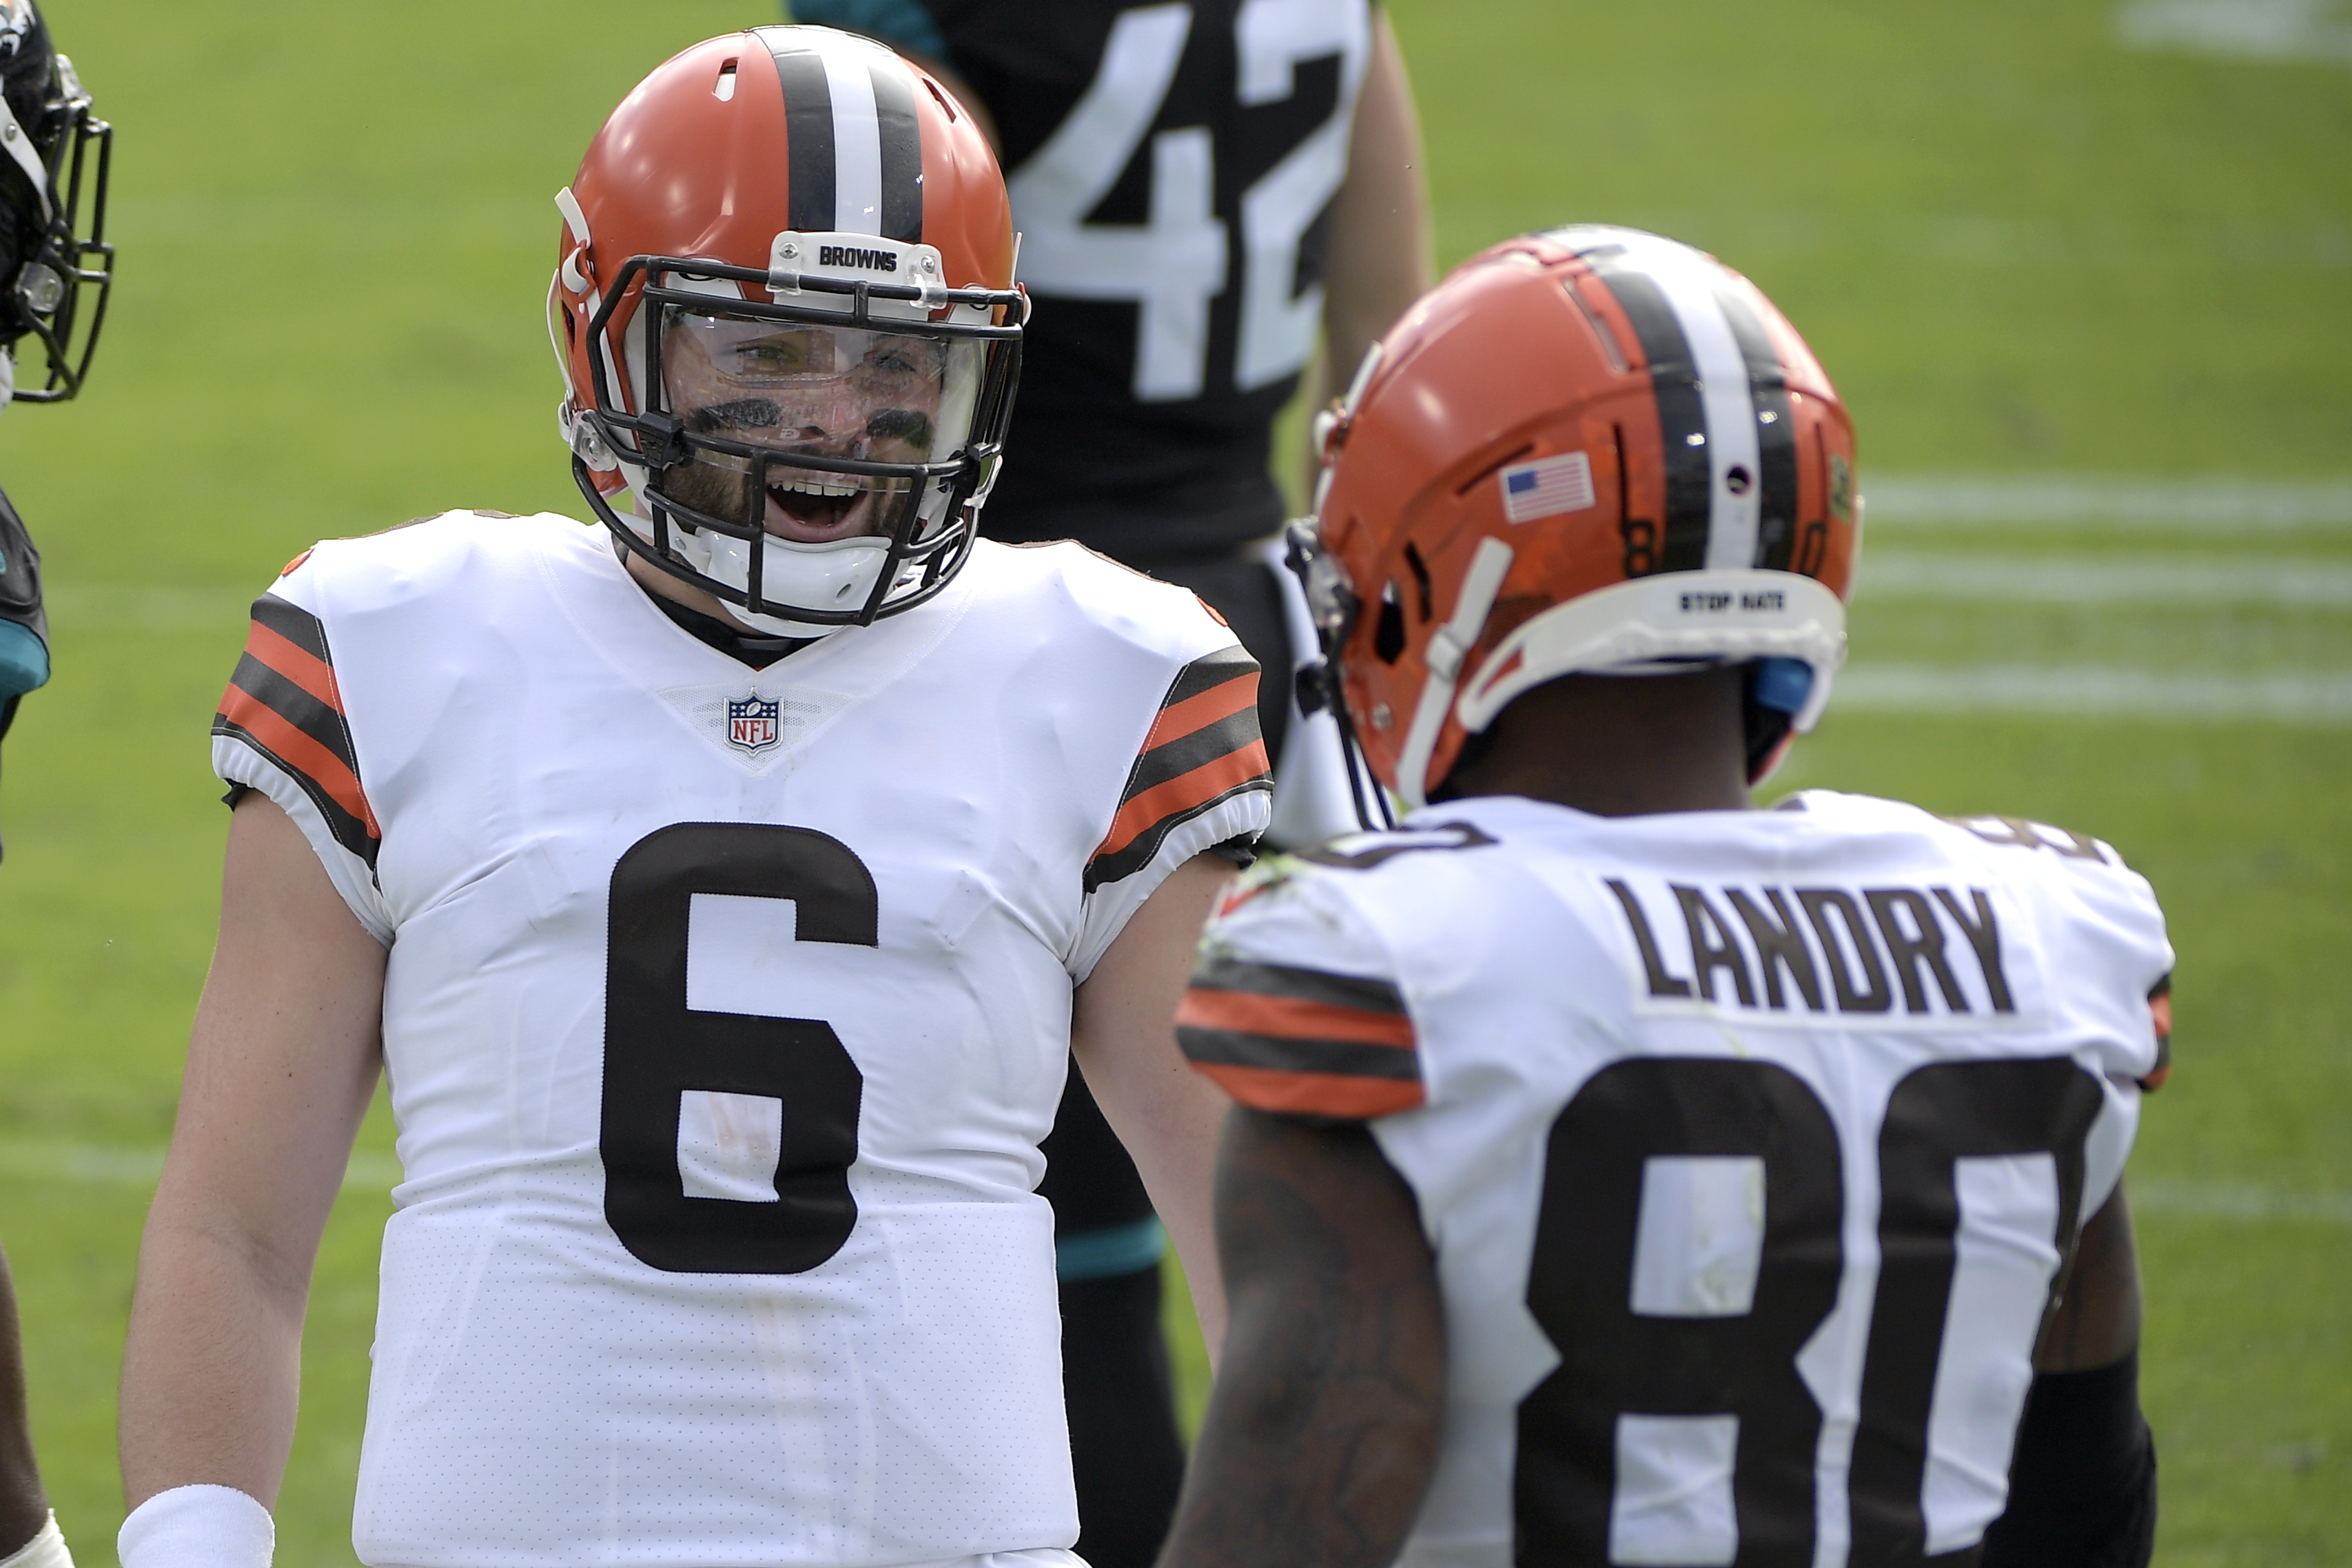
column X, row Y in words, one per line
column 297, row 663
column 1182, row 793
column 1314, row 1093
column 1200, row 712
column 1293, row 1018
column 298, row 751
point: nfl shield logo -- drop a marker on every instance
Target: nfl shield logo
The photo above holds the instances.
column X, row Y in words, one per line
column 751, row 724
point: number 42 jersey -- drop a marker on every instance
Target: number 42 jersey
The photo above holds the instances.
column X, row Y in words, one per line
column 724, row 1012
column 1749, row 1144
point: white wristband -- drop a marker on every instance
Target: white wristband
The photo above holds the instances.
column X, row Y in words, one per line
column 46, row 1550
column 197, row 1527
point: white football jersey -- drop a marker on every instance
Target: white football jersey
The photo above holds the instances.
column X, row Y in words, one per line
column 724, row 1013
column 1749, row 1143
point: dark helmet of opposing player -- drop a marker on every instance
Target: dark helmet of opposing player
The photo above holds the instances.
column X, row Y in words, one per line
column 48, row 171
column 785, row 312
column 1594, row 450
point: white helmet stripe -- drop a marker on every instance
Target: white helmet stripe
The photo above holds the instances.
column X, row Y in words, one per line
column 1722, row 425
column 853, row 135
column 856, row 144
column 1682, row 277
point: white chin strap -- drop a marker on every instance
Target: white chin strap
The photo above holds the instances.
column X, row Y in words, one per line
column 1448, row 646
column 1650, row 626
column 838, row 575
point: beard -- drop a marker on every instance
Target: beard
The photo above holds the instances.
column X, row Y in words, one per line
column 721, row 487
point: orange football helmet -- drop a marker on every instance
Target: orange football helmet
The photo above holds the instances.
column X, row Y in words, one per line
column 1591, row 450
column 785, row 313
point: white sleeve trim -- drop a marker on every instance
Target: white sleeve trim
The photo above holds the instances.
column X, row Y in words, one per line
column 238, row 763
column 1108, row 907
column 197, row 1527
column 46, row 1550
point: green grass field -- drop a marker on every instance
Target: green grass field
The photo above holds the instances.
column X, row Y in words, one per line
column 2022, row 248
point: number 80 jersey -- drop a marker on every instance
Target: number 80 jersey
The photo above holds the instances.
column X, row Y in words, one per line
column 724, row 1012
column 1749, row 1145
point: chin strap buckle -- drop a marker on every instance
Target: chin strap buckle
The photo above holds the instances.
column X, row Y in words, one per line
column 661, row 441
column 1316, row 689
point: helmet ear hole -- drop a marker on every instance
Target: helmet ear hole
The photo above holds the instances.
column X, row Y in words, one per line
column 1420, row 580
column 1387, row 631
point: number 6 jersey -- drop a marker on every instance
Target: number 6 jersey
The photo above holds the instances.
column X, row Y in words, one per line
column 723, row 1014
column 1749, row 1143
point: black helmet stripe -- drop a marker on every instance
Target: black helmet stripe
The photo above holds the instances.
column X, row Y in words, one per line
column 1723, row 404
column 1682, row 413
column 854, row 142
column 808, row 134
column 1776, row 433
column 902, row 151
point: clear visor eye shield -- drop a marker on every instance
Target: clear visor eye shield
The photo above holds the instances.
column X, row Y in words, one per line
column 812, row 461
column 46, row 298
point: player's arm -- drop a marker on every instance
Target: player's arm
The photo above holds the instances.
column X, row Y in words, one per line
column 2082, row 1484
column 1123, row 1033
column 281, row 1063
column 1380, row 257
column 24, row 1509
column 1323, row 1429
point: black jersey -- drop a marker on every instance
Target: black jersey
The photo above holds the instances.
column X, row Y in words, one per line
column 1172, row 168
column 24, row 627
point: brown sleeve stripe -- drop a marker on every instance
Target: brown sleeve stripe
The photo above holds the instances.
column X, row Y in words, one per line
column 1202, row 750
column 1227, row 697
column 294, row 623
column 283, row 701
column 1314, row 1093
column 296, row 663
column 1353, row 993
column 1208, row 672
column 1274, row 1019
column 1293, row 1018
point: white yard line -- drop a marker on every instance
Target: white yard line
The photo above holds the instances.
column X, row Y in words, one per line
column 2239, row 29
column 2230, row 1200
column 2284, row 583
column 2142, row 502
column 2321, row 697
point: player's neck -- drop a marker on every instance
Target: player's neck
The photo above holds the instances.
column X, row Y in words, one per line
column 662, row 585
column 1618, row 746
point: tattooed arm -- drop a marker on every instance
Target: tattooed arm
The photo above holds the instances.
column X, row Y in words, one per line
column 2081, row 1476
column 2097, row 1321
column 1323, row 1430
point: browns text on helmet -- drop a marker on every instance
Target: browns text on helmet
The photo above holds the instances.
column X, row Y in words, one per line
column 813, row 186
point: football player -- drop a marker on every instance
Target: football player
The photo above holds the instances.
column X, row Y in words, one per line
column 1199, row 188
column 1623, row 1174
column 54, row 281
column 53, row 157
column 724, row 891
